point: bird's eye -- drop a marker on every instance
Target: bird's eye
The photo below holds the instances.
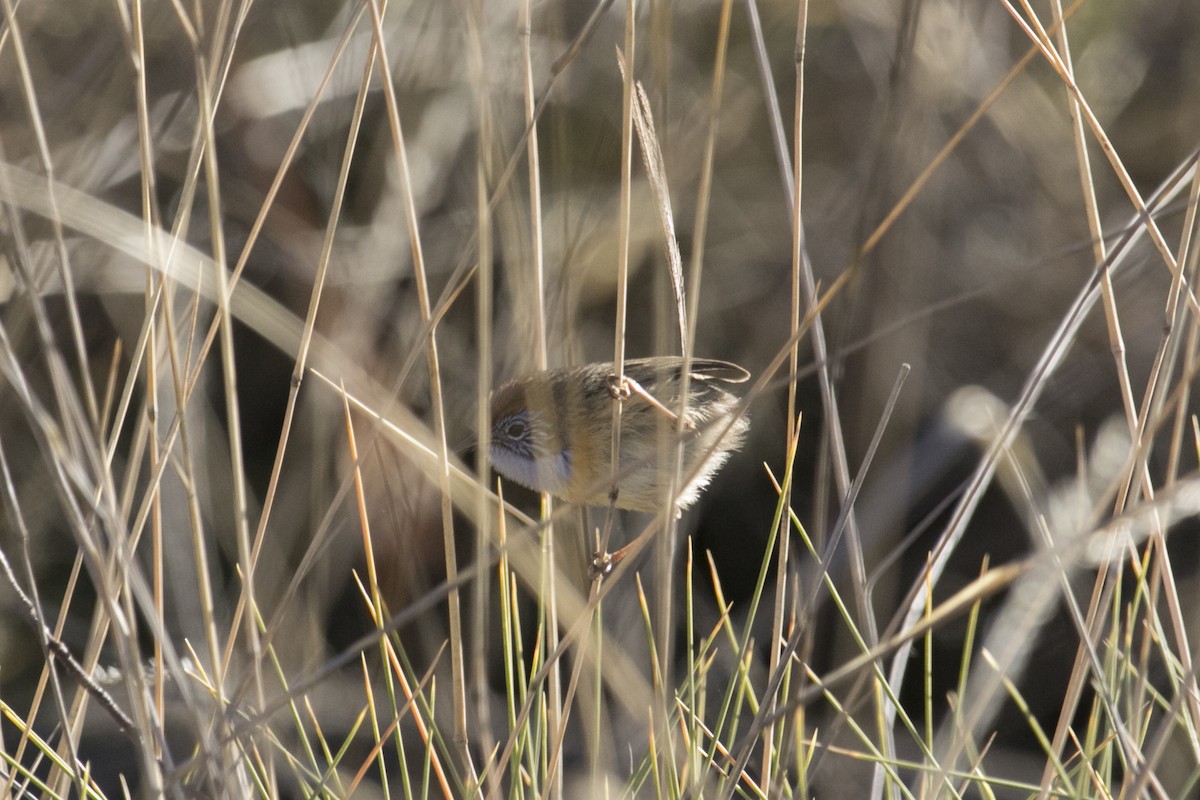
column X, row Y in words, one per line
column 515, row 429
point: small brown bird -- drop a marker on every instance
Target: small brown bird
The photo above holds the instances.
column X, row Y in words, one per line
column 552, row 431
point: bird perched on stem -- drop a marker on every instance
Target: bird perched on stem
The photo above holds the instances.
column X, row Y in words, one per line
column 552, row 431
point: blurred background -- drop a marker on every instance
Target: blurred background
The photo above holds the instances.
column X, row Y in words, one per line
column 228, row 126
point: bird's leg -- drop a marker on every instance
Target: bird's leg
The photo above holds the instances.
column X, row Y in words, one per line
column 602, row 564
column 626, row 387
column 619, row 388
column 600, row 555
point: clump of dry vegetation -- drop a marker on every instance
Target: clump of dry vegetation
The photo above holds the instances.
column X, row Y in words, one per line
column 262, row 264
